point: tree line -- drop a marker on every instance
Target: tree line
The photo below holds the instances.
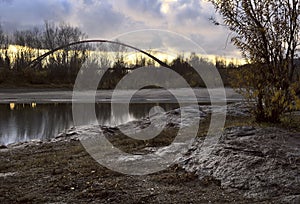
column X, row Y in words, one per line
column 32, row 43
column 49, row 36
column 61, row 68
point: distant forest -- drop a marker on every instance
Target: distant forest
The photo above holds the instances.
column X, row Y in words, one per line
column 61, row 68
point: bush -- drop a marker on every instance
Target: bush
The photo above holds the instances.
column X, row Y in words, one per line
column 272, row 98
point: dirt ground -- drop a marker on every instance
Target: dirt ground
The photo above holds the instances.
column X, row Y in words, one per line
column 63, row 172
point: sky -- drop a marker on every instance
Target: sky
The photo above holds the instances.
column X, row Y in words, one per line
column 107, row 19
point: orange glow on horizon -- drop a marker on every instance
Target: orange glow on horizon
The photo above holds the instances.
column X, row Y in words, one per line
column 131, row 57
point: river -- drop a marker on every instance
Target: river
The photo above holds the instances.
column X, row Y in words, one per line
column 41, row 115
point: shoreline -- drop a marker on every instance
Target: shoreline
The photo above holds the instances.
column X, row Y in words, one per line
column 62, row 171
column 142, row 96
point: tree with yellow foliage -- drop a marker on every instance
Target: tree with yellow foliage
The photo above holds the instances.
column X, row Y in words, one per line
column 267, row 34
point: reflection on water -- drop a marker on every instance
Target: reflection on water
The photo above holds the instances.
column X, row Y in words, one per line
column 23, row 122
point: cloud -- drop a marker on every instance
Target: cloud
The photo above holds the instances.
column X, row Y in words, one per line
column 6, row 1
column 148, row 12
column 187, row 17
column 109, row 18
column 19, row 14
column 96, row 18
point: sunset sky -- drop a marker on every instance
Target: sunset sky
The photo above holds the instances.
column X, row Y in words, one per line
column 110, row 18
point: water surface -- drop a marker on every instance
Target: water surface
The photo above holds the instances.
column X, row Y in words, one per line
column 24, row 122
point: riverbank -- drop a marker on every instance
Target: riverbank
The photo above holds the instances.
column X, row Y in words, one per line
column 62, row 171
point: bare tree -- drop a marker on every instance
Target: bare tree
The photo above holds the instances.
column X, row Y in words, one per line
column 67, row 34
column 30, row 38
column 50, row 35
column 267, row 33
column 2, row 36
column 59, row 35
column 4, row 40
